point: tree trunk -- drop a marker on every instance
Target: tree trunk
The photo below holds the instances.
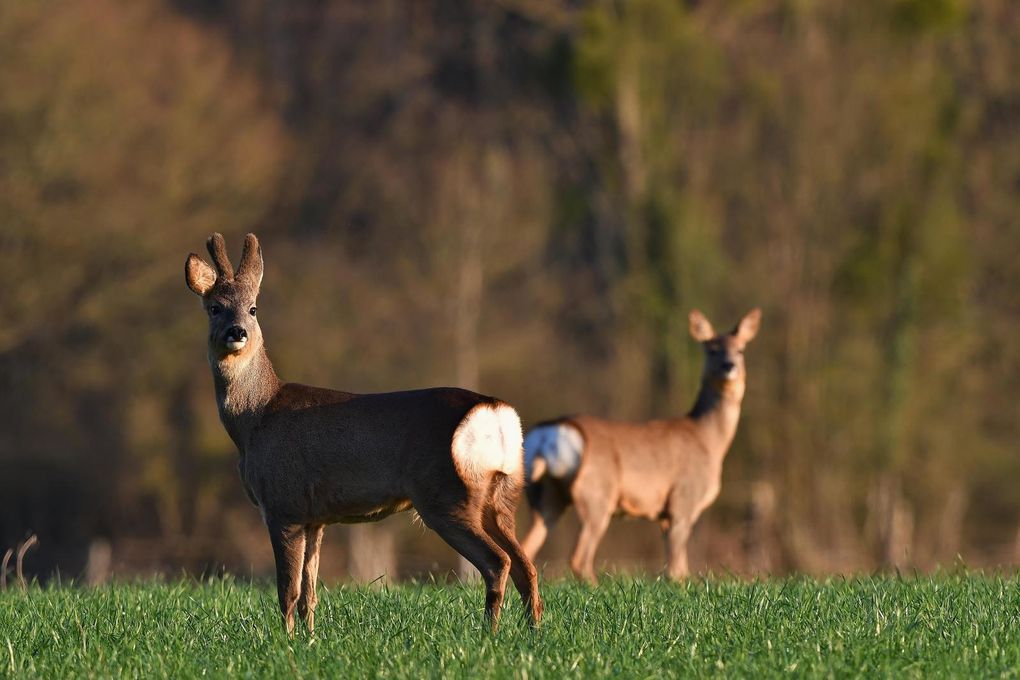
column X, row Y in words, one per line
column 467, row 316
column 371, row 553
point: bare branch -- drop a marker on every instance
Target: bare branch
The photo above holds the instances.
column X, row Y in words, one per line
column 3, row 568
column 32, row 540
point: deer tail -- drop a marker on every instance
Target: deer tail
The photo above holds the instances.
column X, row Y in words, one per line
column 506, row 493
column 538, row 468
column 552, row 449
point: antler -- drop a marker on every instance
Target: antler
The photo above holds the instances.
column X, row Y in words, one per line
column 218, row 249
column 251, row 260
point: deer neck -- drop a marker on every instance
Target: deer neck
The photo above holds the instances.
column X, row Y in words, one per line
column 715, row 414
column 245, row 384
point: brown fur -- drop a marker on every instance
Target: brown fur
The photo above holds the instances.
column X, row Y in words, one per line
column 311, row 456
column 663, row 470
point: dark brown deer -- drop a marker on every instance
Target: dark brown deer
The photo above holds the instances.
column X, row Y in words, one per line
column 311, row 456
column 665, row 470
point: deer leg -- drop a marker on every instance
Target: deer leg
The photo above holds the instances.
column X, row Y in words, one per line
column 309, row 599
column 593, row 528
column 468, row 538
column 499, row 523
column 289, row 550
column 537, row 533
column 546, row 509
column 676, row 549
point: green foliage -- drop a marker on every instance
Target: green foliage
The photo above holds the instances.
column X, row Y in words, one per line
column 946, row 626
column 656, row 43
column 914, row 17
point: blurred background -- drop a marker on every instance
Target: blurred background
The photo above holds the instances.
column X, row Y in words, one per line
column 524, row 197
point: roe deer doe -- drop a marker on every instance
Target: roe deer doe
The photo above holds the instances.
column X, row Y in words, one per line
column 665, row 470
column 311, row 456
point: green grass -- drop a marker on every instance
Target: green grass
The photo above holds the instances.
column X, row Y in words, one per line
column 946, row 626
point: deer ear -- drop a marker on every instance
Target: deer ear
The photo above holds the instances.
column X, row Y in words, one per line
column 701, row 327
column 748, row 326
column 199, row 275
column 251, row 261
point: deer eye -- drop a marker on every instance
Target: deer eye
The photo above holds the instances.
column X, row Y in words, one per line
column 214, row 310
column 252, row 311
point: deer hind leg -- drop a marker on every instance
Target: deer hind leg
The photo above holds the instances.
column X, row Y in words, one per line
column 463, row 531
column 309, row 599
column 499, row 523
column 594, row 522
column 547, row 506
column 289, row 550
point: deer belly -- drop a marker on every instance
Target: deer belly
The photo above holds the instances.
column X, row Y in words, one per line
column 559, row 444
column 358, row 515
column 646, row 505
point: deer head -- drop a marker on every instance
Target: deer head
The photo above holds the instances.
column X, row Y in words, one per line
column 724, row 354
column 228, row 299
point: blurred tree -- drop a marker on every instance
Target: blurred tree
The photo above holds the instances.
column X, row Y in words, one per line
column 127, row 133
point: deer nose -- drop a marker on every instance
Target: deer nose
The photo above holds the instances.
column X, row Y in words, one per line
column 235, row 334
column 727, row 366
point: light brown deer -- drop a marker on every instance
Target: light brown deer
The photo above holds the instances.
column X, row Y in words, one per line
column 311, row 456
column 664, row 470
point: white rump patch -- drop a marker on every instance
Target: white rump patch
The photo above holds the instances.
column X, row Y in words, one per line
column 488, row 440
column 560, row 444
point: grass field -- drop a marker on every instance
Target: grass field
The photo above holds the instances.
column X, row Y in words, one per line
column 947, row 626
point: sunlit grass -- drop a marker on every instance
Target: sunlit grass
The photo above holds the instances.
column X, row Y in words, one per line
column 946, row 626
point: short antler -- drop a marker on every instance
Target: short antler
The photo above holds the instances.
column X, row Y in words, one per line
column 251, row 261
column 218, row 250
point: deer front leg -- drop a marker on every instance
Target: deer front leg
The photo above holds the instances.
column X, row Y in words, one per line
column 677, row 533
column 308, row 600
column 289, row 550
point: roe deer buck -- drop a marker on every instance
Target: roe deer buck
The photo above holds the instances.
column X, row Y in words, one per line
column 666, row 470
column 311, row 456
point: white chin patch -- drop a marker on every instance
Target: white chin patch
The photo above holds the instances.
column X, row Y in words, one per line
column 236, row 345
